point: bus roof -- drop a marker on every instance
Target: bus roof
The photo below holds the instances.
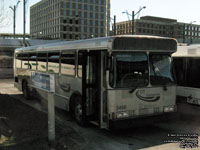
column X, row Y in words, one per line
column 95, row 43
column 188, row 51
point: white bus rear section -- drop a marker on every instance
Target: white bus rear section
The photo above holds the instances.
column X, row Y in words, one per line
column 192, row 95
column 186, row 62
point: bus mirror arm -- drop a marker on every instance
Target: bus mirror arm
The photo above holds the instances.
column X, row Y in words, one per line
column 29, row 65
column 108, row 63
column 165, row 88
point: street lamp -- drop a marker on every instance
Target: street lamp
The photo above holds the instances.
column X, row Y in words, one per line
column 114, row 25
column 133, row 16
column 14, row 14
column 192, row 22
column 113, row 28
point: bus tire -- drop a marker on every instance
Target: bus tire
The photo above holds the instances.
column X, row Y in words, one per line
column 77, row 111
column 25, row 90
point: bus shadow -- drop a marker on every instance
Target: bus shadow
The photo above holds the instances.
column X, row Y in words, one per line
column 141, row 137
column 138, row 137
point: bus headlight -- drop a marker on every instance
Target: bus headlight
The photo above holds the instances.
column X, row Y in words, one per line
column 169, row 108
column 123, row 114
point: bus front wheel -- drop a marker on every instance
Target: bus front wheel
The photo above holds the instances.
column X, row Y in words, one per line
column 25, row 90
column 77, row 111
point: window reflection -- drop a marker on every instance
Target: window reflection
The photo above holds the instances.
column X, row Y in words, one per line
column 160, row 69
column 129, row 70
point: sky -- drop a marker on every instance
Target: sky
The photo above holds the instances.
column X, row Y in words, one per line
column 183, row 10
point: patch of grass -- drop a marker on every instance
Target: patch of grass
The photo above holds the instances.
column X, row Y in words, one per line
column 10, row 142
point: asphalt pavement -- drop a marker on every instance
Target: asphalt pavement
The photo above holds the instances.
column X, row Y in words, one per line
column 162, row 136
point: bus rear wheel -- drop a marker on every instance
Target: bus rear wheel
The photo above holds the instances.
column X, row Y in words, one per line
column 78, row 111
column 25, row 90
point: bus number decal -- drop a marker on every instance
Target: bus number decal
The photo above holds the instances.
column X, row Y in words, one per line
column 122, row 107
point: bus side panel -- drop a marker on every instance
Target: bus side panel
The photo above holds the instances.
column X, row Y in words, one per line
column 65, row 86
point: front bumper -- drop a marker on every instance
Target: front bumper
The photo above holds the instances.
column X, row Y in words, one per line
column 142, row 120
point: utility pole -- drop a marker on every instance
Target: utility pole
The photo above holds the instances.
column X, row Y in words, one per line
column 184, row 33
column 14, row 16
column 190, row 26
column 133, row 18
column 14, row 10
column 24, row 36
column 114, row 25
column 24, row 22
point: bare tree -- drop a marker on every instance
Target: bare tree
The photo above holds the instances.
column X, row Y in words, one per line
column 5, row 19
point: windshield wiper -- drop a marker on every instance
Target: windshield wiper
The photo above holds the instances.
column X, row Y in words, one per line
column 154, row 70
column 133, row 89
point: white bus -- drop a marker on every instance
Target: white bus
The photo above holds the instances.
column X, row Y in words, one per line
column 187, row 67
column 103, row 80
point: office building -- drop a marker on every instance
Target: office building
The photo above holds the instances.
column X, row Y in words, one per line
column 70, row 19
column 149, row 25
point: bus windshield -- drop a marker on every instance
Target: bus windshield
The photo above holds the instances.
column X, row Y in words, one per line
column 160, row 69
column 129, row 69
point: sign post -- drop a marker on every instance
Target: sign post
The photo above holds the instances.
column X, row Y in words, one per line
column 46, row 82
column 51, row 117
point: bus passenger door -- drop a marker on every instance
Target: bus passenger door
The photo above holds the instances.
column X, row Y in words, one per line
column 93, row 89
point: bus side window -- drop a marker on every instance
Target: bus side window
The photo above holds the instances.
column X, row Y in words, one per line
column 42, row 61
column 53, row 62
column 193, row 72
column 80, row 63
column 32, row 61
column 18, row 62
column 68, row 63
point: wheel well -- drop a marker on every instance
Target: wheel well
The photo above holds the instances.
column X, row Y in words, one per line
column 71, row 101
column 24, row 80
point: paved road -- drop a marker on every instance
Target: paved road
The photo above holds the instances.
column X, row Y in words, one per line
column 152, row 137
